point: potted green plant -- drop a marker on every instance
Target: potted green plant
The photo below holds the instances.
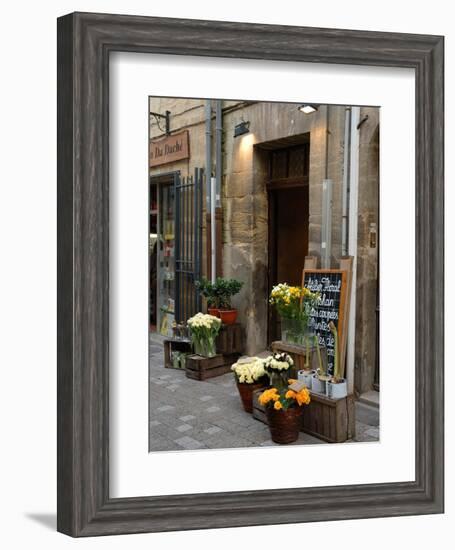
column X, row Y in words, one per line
column 249, row 376
column 225, row 289
column 208, row 290
column 336, row 386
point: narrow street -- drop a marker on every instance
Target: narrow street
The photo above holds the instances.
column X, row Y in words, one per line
column 190, row 414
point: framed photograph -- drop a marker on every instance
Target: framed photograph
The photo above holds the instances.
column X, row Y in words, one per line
column 250, row 274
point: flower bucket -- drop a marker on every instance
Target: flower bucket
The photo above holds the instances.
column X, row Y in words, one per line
column 293, row 331
column 319, row 386
column 306, row 376
column 284, row 425
column 337, row 390
column 246, row 394
column 204, row 347
column 203, row 330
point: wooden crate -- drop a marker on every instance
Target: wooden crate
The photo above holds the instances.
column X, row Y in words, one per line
column 171, row 345
column 332, row 420
column 298, row 354
column 202, row 368
column 230, row 339
column 258, row 409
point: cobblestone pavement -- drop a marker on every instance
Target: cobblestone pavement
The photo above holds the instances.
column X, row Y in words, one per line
column 191, row 414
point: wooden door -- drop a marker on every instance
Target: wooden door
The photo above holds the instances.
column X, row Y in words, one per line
column 288, row 222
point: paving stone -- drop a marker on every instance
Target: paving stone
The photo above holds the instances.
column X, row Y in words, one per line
column 367, row 414
column 165, row 408
column 212, row 409
column 189, row 443
column 184, row 428
column 372, row 432
column 187, row 417
column 173, row 387
column 213, row 430
column 206, row 398
column 154, row 423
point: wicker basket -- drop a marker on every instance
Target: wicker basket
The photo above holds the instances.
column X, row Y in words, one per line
column 284, row 425
column 246, row 394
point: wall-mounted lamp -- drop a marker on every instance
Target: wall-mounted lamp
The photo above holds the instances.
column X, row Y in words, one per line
column 308, row 109
column 241, row 128
column 166, row 117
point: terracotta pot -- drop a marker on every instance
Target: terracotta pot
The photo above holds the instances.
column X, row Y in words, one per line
column 246, row 394
column 284, row 425
column 213, row 311
column 228, row 316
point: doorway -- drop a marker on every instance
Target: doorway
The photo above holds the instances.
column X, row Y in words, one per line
column 288, row 200
column 161, row 252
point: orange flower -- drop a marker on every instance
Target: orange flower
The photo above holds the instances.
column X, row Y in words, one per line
column 290, row 394
column 303, row 397
column 268, row 395
column 277, row 405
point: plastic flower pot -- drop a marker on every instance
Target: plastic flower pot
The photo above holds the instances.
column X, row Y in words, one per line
column 337, row 390
column 213, row 311
column 284, row 425
column 319, row 385
column 246, row 393
column 306, row 376
column 228, row 316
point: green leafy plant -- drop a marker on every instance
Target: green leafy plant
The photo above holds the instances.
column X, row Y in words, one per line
column 207, row 289
column 219, row 293
column 224, row 290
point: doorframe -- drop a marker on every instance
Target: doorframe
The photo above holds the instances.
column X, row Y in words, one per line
column 170, row 176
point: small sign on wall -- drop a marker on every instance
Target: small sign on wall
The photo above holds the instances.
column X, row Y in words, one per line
column 169, row 149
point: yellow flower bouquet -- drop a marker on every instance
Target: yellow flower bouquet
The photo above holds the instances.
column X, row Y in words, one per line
column 294, row 305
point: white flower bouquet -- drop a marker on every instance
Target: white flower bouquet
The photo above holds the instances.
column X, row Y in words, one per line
column 278, row 366
column 204, row 329
column 249, row 370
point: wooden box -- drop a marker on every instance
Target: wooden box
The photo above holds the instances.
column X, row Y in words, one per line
column 171, row 345
column 202, row 368
column 298, row 354
column 230, row 339
column 332, row 420
column 258, row 409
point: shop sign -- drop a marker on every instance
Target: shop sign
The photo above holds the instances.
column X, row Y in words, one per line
column 169, row 149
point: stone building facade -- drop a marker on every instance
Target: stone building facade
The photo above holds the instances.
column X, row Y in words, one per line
column 314, row 146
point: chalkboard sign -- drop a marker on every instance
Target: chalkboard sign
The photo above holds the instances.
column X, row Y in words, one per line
column 331, row 285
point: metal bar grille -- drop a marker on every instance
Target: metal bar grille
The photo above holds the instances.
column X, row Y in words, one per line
column 188, row 246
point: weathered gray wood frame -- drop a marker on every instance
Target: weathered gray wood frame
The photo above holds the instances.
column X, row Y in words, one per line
column 84, row 44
